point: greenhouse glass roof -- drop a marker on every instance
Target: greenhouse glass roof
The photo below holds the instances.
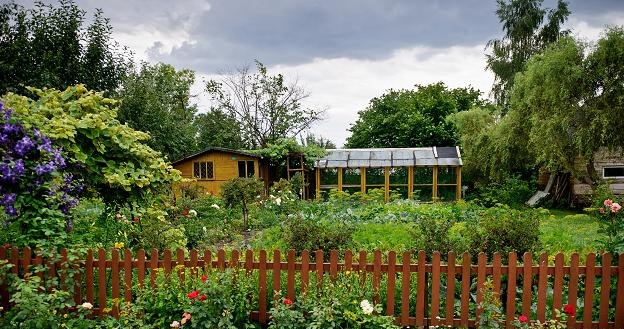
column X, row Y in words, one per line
column 391, row 157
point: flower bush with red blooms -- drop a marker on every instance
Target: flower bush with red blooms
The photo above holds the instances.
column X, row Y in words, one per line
column 611, row 219
column 36, row 191
column 558, row 322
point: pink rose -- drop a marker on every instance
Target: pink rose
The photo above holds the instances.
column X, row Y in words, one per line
column 615, row 207
column 608, row 202
column 601, row 210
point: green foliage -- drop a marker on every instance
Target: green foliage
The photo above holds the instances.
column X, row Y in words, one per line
column 112, row 159
column 340, row 303
column 492, row 316
column 412, row 118
column 277, row 151
column 506, row 230
column 217, row 128
column 241, row 192
column 156, row 100
column 50, row 46
column 528, row 30
column 265, row 106
column 611, row 219
column 512, row 191
column 305, row 234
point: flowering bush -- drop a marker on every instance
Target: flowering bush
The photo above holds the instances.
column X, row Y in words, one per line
column 523, row 321
column 611, row 219
column 36, row 195
column 343, row 303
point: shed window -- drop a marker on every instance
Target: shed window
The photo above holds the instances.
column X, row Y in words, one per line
column 613, row 172
column 203, row 170
column 246, row 169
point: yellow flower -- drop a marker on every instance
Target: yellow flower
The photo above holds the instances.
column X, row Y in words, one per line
column 119, row 245
column 347, row 272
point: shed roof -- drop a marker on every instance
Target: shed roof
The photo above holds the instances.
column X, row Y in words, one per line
column 391, row 157
column 217, row 149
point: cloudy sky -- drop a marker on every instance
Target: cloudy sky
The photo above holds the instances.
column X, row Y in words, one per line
column 343, row 52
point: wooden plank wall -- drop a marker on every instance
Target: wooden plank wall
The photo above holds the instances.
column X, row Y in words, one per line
column 420, row 277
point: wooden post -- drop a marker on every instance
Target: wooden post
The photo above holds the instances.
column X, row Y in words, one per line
column 318, row 183
column 363, row 179
column 387, row 183
column 410, row 182
column 434, row 194
column 339, row 179
column 458, row 187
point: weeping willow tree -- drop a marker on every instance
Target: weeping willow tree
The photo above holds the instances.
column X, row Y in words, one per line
column 563, row 109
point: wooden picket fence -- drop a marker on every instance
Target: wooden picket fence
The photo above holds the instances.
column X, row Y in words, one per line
column 548, row 277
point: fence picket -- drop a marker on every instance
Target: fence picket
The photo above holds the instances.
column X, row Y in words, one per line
column 167, row 261
column 588, row 300
column 153, row 266
column 263, row 287
column 421, row 286
column 511, row 289
column 496, row 273
column 527, row 283
column 605, row 288
column 450, row 289
column 558, row 284
column 405, row 289
column 180, row 264
column 391, row 283
column 573, row 286
column 193, row 262
column 291, row 275
column 221, row 259
column 276, row 286
column 115, row 281
column 435, row 288
column 318, row 260
column 376, row 276
column 541, row 287
column 4, row 291
column 465, row 295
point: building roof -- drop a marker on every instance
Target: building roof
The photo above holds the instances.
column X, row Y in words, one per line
column 391, row 157
column 218, row 149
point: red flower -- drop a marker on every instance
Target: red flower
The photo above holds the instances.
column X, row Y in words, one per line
column 8, row 245
column 523, row 319
column 569, row 309
column 204, row 278
column 185, row 212
column 193, row 294
column 202, row 297
column 287, row 301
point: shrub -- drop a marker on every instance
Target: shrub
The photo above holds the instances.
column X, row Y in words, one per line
column 506, row 230
column 511, row 191
column 301, row 234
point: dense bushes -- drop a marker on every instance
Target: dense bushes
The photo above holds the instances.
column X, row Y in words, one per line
column 301, row 234
column 511, row 191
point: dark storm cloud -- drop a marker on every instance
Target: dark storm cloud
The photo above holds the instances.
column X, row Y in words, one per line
column 234, row 32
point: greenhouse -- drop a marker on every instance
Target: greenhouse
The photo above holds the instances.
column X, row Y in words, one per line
column 422, row 173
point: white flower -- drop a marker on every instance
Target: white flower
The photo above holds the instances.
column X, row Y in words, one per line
column 278, row 201
column 175, row 324
column 204, row 229
column 193, row 213
column 87, row 305
column 366, row 306
column 216, row 206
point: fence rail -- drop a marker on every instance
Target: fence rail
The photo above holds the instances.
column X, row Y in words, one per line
column 598, row 289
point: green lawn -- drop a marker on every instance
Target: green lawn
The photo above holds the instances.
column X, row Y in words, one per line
column 568, row 231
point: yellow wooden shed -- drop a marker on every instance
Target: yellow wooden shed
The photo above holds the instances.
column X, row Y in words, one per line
column 213, row 166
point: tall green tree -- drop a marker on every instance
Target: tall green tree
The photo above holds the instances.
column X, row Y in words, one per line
column 528, row 29
column 217, row 128
column 412, row 118
column 266, row 107
column 157, row 100
column 50, row 46
column 564, row 109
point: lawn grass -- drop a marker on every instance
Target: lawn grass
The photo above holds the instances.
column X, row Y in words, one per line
column 568, row 231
